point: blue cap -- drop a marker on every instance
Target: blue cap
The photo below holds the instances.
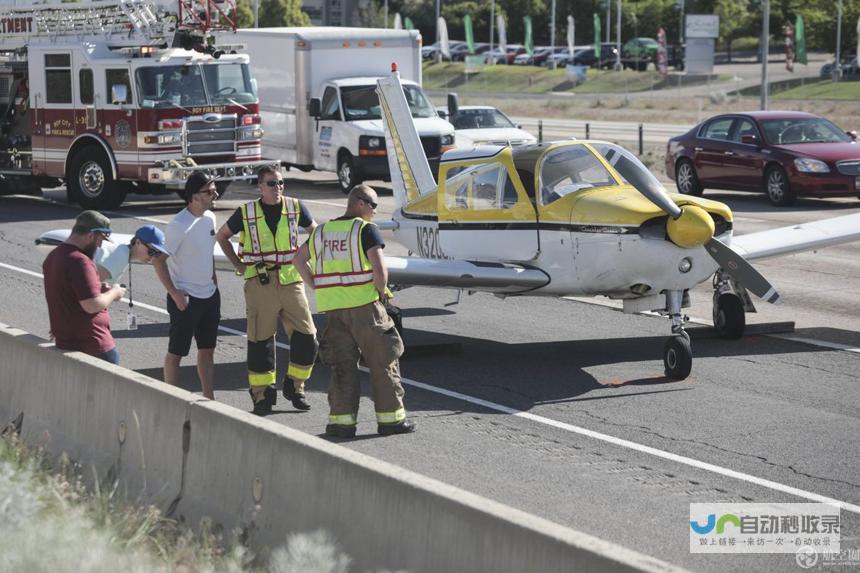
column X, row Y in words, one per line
column 152, row 236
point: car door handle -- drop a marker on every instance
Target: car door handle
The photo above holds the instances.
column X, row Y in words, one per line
column 697, row 149
column 728, row 153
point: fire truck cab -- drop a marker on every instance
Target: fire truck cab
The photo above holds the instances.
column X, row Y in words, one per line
column 123, row 96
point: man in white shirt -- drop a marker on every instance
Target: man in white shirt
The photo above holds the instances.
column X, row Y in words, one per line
column 188, row 274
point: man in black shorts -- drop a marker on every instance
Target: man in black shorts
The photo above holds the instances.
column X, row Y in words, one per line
column 188, row 274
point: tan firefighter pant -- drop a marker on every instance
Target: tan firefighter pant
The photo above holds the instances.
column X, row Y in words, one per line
column 367, row 331
column 264, row 306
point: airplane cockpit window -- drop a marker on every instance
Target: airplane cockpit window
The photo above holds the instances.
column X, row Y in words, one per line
column 570, row 169
column 632, row 171
column 483, row 188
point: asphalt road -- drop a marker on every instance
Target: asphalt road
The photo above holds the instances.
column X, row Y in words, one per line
column 551, row 405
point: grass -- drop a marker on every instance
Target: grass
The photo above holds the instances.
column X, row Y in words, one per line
column 823, row 89
column 537, row 80
column 50, row 522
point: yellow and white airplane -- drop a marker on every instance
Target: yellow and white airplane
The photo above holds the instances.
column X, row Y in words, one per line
column 576, row 218
column 571, row 218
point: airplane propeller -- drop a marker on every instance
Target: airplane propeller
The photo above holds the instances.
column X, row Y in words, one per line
column 690, row 226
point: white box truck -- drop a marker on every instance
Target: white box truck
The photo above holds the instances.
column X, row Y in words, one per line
column 318, row 101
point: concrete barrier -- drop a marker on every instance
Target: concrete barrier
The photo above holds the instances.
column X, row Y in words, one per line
column 195, row 458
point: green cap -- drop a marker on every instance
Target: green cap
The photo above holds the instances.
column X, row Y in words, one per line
column 93, row 221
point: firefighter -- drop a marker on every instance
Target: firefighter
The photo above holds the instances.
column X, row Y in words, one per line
column 269, row 237
column 348, row 272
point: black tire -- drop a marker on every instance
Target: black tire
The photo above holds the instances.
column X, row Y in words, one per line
column 729, row 316
column 778, row 187
column 677, row 358
column 686, row 178
column 348, row 175
column 90, row 182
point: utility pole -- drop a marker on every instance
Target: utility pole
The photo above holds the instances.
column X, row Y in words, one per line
column 492, row 24
column 552, row 29
column 765, row 48
column 838, row 67
column 681, row 24
column 618, row 38
column 386, row 13
column 256, row 13
column 438, row 13
column 608, row 21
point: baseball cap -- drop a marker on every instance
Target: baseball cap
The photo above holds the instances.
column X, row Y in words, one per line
column 195, row 182
column 152, row 236
column 93, row 222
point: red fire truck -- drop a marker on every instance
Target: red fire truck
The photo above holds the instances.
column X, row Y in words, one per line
column 120, row 96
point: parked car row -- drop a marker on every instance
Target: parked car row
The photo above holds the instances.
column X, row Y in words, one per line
column 849, row 67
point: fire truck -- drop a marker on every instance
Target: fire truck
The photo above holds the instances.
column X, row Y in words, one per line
column 121, row 96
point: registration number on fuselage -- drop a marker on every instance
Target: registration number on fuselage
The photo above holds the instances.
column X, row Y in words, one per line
column 427, row 241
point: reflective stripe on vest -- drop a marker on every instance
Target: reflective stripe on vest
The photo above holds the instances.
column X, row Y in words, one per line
column 343, row 277
column 258, row 245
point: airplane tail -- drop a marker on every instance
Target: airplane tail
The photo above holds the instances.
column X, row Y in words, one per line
column 410, row 172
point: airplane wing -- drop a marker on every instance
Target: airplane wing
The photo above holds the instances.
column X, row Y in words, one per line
column 798, row 238
column 490, row 277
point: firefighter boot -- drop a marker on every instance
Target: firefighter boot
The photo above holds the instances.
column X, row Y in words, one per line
column 402, row 427
column 264, row 397
column 298, row 399
column 340, row 431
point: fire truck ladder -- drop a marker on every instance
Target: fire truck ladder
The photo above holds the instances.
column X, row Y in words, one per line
column 120, row 23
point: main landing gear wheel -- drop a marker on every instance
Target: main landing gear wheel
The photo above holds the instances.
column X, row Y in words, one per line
column 729, row 316
column 678, row 357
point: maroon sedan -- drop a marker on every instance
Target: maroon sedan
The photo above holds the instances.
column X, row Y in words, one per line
column 783, row 153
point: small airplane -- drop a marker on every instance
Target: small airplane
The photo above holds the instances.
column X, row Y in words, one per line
column 570, row 218
column 576, row 218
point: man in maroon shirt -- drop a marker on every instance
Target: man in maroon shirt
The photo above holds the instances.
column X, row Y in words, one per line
column 77, row 300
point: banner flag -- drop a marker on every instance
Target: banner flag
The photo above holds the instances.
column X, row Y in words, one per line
column 470, row 38
column 597, row 36
column 799, row 41
column 529, row 42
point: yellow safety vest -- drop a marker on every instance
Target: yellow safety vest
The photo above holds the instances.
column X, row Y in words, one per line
column 258, row 245
column 343, row 277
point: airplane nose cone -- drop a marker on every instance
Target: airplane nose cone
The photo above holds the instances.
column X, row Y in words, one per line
column 693, row 228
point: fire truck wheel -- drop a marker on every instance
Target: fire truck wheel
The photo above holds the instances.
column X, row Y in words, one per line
column 90, row 181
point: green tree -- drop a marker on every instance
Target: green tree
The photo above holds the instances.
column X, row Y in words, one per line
column 736, row 20
column 245, row 14
column 274, row 13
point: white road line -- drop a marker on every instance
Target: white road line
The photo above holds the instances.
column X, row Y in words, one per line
column 620, row 442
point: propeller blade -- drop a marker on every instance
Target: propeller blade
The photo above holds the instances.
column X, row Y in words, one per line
column 740, row 270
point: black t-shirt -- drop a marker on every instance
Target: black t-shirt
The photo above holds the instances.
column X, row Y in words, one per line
column 273, row 216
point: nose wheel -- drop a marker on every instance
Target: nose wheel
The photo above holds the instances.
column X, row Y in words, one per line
column 677, row 351
column 678, row 356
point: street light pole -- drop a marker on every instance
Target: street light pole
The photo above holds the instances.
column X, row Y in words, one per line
column 552, row 30
column 765, row 48
column 492, row 24
column 438, row 12
column 386, row 13
column 681, row 24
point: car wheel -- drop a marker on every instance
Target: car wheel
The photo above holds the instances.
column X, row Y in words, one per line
column 778, row 187
column 687, row 180
column 90, row 181
column 347, row 173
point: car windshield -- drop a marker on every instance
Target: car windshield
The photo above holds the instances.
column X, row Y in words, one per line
column 480, row 119
column 195, row 85
column 568, row 169
column 361, row 102
column 802, row 130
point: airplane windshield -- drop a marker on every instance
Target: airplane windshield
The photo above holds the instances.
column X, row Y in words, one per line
column 195, row 85
column 569, row 169
column 628, row 166
column 361, row 102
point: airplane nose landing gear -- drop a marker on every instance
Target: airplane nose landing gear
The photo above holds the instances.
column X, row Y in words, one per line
column 677, row 352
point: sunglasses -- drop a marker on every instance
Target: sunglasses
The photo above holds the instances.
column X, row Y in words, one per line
column 102, row 234
column 276, row 182
column 150, row 251
column 369, row 202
